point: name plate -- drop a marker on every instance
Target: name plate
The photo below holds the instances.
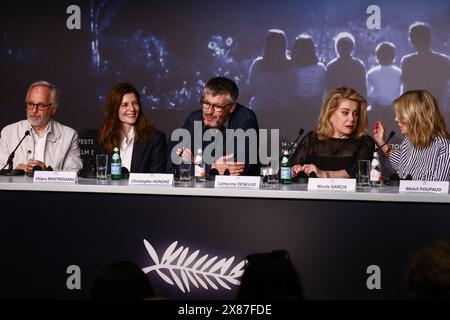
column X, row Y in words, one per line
column 410, row 186
column 154, row 179
column 325, row 184
column 237, row 182
column 55, row 177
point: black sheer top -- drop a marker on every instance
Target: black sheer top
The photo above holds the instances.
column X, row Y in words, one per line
column 334, row 154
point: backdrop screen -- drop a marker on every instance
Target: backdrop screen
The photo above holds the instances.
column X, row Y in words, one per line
column 169, row 49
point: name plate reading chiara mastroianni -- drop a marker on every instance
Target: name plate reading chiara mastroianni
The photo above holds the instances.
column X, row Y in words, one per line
column 324, row 184
column 237, row 182
column 439, row 187
column 55, row 177
column 153, row 179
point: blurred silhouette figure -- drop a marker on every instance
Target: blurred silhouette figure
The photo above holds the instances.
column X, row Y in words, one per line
column 345, row 70
column 269, row 81
column 384, row 84
column 270, row 276
column 309, row 79
column 122, row 281
column 425, row 68
column 429, row 272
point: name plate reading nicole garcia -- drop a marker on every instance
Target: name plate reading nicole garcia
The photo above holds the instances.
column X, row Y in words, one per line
column 55, row 177
column 325, row 184
column 237, row 182
column 153, row 179
column 411, row 186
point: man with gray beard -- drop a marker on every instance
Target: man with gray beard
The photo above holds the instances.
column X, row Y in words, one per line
column 48, row 144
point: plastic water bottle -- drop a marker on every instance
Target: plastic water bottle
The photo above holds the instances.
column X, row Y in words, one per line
column 286, row 168
column 375, row 171
column 116, row 165
column 200, row 167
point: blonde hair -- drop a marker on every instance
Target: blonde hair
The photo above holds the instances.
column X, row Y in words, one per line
column 324, row 128
column 419, row 110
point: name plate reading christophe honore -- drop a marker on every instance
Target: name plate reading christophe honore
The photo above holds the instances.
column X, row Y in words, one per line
column 153, row 179
column 237, row 182
column 55, row 177
column 323, row 184
column 413, row 186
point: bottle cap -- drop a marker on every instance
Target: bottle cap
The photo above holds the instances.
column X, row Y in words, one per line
column 116, row 149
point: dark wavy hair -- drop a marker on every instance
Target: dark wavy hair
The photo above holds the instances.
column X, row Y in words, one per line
column 109, row 134
column 304, row 52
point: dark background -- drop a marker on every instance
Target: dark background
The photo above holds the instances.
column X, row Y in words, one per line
column 169, row 49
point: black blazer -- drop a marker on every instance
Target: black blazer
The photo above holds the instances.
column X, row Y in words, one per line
column 149, row 156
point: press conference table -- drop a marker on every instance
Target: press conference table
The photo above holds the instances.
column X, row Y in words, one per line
column 332, row 237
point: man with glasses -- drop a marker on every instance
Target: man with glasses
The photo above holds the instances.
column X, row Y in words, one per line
column 49, row 144
column 219, row 110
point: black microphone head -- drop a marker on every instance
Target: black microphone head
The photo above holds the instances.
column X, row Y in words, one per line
column 394, row 180
column 313, row 175
column 27, row 133
column 302, row 177
column 125, row 173
column 214, row 172
column 300, row 132
column 226, row 172
column 391, row 134
column 37, row 168
column 408, row 177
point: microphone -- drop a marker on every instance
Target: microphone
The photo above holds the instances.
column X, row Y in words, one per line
column 226, row 172
column 35, row 168
column 302, row 177
column 212, row 174
column 394, row 179
column 300, row 132
column 312, row 175
column 10, row 171
column 391, row 134
column 125, row 173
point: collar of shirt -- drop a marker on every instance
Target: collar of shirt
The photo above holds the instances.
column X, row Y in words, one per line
column 47, row 130
column 127, row 139
column 126, row 148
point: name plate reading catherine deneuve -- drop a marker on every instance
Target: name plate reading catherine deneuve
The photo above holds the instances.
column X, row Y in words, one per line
column 413, row 186
column 55, row 177
column 325, row 184
column 237, row 182
column 153, row 179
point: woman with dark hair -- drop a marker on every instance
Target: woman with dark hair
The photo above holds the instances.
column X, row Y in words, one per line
column 270, row 76
column 340, row 139
column 309, row 76
column 143, row 149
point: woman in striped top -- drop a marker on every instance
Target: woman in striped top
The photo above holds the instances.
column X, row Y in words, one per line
column 425, row 151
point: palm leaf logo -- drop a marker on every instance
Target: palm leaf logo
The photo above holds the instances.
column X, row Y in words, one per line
column 183, row 269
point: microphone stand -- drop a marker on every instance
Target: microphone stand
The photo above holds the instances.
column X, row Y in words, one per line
column 10, row 171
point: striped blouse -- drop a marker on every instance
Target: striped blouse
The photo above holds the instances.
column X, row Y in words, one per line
column 431, row 163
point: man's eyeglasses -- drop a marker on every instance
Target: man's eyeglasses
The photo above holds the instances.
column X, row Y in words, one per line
column 206, row 105
column 39, row 106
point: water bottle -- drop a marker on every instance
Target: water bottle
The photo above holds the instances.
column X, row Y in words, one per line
column 286, row 168
column 375, row 171
column 200, row 167
column 116, row 165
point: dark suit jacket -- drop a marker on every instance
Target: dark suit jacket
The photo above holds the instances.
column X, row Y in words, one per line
column 242, row 118
column 148, row 156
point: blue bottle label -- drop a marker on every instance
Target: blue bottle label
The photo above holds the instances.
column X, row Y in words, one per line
column 285, row 173
column 116, row 168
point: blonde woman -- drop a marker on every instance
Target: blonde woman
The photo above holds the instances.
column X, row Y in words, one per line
column 333, row 148
column 425, row 151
